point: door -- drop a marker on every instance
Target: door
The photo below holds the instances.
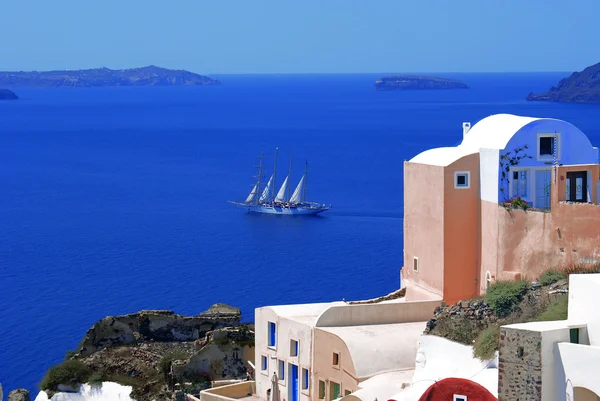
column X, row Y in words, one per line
column 577, row 185
column 293, row 380
column 543, row 183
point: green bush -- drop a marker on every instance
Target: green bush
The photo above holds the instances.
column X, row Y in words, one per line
column 486, row 344
column 551, row 277
column 504, row 296
column 96, row 379
column 71, row 372
column 463, row 331
column 557, row 310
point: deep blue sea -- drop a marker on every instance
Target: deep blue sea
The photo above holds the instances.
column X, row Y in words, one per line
column 113, row 200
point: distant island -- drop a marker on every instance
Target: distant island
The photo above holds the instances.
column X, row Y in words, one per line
column 409, row 82
column 580, row 87
column 145, row 76
column 5, row 94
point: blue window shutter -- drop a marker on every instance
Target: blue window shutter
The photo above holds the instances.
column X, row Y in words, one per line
column 272, row 334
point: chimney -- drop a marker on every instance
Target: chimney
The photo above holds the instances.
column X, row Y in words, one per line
column 466, row 128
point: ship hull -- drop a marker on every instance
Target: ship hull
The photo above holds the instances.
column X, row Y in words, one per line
column 275, row 209
column 286, row 210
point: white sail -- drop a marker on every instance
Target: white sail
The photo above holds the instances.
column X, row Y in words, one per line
column 265, row 195
column 250, row 197
column 296, row 195
column 281, row 194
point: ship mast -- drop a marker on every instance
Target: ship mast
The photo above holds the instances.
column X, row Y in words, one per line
column 258, row 177
column 290, row 179
column 274, row 176
column 304, row 189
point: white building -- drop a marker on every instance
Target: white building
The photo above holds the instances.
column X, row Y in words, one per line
column 559, row 360
column 326, row 351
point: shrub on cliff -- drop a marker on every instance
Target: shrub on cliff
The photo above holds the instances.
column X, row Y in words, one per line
column 487, row 343
column 504, row 296
column 71, row 372
column 557, row 310
column 551, row 277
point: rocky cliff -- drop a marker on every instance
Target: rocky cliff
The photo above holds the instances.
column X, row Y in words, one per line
column 409, row 82
column 5, row 94
column 145, row 76
column 580, row 87
column 158, row 352
column 156, row 325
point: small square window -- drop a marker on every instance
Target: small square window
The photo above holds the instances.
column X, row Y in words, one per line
column 336, row 359
column 520, row 352
column 458, row 397
column 272, row 334
column 281, row 370
column 546, row 146
column 415, row 264
column 321, row 390
column 462, row 179
column 293, row 348
column 264, row 363
column 304, row 379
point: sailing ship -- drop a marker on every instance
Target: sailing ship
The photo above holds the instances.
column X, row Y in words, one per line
column 265, row 200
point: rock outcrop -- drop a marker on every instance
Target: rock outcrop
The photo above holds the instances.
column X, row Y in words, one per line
column 410, row 82
column 156, row 325
column 580, row 87
column 145, row 76
column 157, row 352
column 5, row 94
column 19, row 394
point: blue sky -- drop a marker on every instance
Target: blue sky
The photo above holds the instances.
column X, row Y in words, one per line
column 301, row 36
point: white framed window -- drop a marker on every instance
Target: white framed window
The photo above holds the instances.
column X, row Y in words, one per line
column 272, row 335
column 293, row 348
column 546, row 146
column 519, row 184
column 264, row 364
column 281, row 370
column 305, row 379
column 462, row 179
column 458, row 397
column 415, row 264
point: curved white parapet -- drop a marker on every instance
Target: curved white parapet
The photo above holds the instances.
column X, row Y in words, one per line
column 580, row 363
column 108, row 391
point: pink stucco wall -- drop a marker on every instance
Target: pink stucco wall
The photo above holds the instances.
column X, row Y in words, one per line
column 523, row 244
column 424, row 225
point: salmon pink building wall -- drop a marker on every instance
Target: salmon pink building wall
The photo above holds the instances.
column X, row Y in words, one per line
column 424, row 226
column 523, row 244
column 461, row 231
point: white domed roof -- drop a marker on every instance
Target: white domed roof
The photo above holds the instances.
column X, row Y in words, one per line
column 493, row 132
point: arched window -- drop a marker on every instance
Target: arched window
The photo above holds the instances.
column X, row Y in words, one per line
column 488, row 280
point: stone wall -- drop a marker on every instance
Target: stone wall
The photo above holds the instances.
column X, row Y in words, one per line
column 520, row 365
column 156, row 325
column 222, row 354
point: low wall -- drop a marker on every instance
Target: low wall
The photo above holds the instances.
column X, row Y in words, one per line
column 386, row 313
column 531, row 242
column 230, row 392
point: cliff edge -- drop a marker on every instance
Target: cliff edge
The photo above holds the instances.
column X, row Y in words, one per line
column 144, row 76
column 580, row 87
column 158, row 353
